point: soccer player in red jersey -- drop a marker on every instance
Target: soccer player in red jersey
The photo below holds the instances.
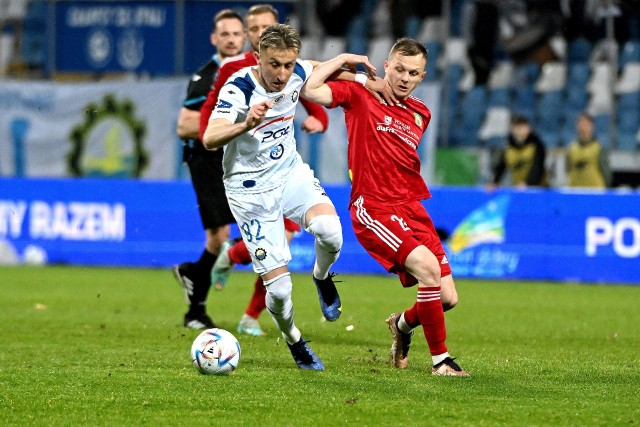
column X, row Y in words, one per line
column 386, row 209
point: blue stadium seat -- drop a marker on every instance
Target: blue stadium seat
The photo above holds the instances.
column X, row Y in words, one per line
column 471, row 114
column 579, row 74
column 628, row 120
column 577, row 99
column 526, row 74
column 630, row 52
column 33, row 38
column 433, row 48
column 524, row 101
column 500, row 97
column 627, row 141
column 602, row 124
column 567, row 132
column 550, row 139
column 629, row 100
column 579, row 50
column 550, row 105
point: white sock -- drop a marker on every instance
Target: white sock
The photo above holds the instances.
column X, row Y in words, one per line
column 328, row 233
column 403, row 325
column 439, row 358
column 280, row 306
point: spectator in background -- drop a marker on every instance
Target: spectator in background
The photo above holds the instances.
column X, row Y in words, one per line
column 587, row 164
column 523, row 157
column 228, row 36
column 407, row 16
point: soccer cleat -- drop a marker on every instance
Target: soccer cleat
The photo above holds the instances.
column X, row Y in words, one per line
column 401, row 343
column 222, row 267
column 198, row 322
column 329, row 299
column 250, row 326
column 305, row 357
column 185, row 277
column 448, row 368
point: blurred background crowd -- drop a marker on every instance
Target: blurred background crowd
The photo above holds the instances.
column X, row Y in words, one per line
column 549, row 62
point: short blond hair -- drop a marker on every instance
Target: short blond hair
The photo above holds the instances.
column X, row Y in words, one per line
column 280, row 37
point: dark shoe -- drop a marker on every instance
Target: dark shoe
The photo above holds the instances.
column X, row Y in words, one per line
column 448, row 368
column 329, row 299
column 305, row 357
column 184, row 274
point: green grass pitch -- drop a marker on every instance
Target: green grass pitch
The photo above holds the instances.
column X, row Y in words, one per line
column 98, row 346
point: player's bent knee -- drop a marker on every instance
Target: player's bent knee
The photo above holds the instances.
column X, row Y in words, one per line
column 327, row 230
column 279, row 287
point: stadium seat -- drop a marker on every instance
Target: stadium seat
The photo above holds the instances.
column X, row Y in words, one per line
column 579, row 74
column 470, row 116
column 501, row 75
column 576, row 99
column 526, row 74
column 331, row 47
column 629, row 81
column 602, row 77
column 500, row 97
column 628, row 120
column 627, row 141
column 568, row 132
column 550, row 138
column 433, row 48
column 378, row 52
column 553, row 77
column 601, row 102
column 524, row 101
column 602, row 125
column 629, row 100
column 455, row 52
column 579, row 50
column 311, row 45
column 629, row 53
column 495, row 123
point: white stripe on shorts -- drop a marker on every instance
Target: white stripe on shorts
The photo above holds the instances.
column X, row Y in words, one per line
column 374, row 225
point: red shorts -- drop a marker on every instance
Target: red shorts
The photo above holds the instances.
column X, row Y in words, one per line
column 390, row 233
column 291, row 226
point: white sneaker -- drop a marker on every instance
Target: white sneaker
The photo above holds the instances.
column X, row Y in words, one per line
column 250, row 326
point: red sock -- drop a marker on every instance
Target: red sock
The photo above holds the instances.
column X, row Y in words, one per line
column 411, row 316
column 431, row 317
column 257, row 303
column 238, row 253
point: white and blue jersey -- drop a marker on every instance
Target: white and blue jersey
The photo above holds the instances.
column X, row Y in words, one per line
column 260, row 159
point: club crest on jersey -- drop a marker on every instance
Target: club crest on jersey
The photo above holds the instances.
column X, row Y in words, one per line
column 387, row 120
column 223, row 104
column 278, row 99
column 418, row 119
column 294, row 96
column 276, row 152
column 260, row 254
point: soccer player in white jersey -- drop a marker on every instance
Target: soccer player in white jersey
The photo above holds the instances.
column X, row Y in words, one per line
column 266, row 179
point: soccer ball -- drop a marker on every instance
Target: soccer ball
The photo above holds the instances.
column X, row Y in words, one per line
column 215, row 352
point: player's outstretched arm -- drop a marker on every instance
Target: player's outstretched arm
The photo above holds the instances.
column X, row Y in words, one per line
column 221, row 131
column 316, row 90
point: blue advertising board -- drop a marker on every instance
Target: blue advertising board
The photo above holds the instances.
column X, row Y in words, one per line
column 533, row 234
column 116, row 36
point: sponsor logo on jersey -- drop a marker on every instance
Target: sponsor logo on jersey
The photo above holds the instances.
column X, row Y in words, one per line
column 276, row 152
column 272, row 135
column 260, row 254
column 444, row 260
column 278, row 99
column 223, row 104
column 387, row 120
column 418, row 119
column 294, row 96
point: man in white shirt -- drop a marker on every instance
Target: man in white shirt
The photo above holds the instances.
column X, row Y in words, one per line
column 266, row 179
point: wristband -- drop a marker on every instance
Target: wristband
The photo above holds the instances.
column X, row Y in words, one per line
column 361, row 78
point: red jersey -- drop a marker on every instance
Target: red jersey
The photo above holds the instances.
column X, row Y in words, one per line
column 227, row 68
column 383, row 141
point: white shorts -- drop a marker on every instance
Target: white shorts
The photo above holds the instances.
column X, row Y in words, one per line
column 260, row 216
